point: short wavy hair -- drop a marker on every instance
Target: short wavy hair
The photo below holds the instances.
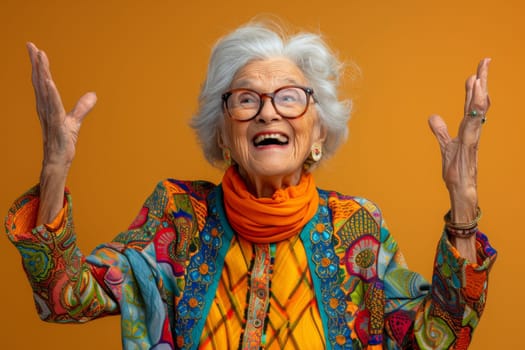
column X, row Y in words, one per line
column 257, row 41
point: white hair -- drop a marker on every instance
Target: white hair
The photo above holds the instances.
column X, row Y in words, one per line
column 256, row 41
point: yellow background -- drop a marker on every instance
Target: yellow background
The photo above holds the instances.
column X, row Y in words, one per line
column 146, row 60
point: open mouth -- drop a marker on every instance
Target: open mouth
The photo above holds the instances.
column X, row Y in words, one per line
column 270, row 139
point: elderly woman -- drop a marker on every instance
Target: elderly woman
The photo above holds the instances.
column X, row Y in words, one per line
column 264, row 259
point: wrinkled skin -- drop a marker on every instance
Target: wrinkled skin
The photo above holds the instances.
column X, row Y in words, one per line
column 60, row 130
column 266, row 169
column 460, row 155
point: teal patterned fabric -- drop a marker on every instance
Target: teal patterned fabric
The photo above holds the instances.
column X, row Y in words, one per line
column 150, row 275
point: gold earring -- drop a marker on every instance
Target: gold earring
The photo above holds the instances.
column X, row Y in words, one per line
column 317, row 152
column 227, row 156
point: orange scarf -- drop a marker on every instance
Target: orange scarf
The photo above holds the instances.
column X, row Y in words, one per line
column 268, row 220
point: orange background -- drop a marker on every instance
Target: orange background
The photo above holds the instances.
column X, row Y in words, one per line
column 146, row 60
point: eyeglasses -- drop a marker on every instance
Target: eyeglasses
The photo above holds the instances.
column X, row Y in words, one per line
column 289, row 102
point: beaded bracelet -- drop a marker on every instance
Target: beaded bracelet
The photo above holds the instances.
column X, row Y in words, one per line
column 462, row 230
column 462, row 233
column 460, row 226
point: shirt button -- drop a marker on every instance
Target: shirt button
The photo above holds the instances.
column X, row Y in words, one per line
column 257, row 323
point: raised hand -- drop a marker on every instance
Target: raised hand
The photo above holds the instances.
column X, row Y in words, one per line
column 59, row 133
column 59, row 129
column 460, row 154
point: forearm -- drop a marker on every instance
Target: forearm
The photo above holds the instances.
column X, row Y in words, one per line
column 464, row 209
column 52, row 184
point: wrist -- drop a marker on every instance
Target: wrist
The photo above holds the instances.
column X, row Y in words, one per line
column 58, row 170
column 462, row 229
column 463, row 204
column 52, row 183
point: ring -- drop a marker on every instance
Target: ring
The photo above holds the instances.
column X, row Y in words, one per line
column 474, row 113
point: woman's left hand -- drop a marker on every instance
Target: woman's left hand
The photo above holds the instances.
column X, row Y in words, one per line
column 459, row 154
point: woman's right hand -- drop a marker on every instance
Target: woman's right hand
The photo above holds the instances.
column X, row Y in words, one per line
column 59, row 129
column 59, row 134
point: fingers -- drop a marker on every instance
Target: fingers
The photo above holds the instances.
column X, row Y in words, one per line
column 440, row 130
column 59, row 130
column 48, row 100
column 49, row 103
column 483, row 71
column 477, row 103
column 84, row 105
column 32, row 50
column 469, row 87
column 477, row 88
column 35, row 75
column 54, row 101
column 481, row 94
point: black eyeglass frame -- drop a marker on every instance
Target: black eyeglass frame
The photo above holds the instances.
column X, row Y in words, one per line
column 308, row 91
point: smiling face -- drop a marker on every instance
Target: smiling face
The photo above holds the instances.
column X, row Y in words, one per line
column 270, row 150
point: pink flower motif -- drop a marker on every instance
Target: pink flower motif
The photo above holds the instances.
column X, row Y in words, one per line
column 164, row 241
column 361, row 258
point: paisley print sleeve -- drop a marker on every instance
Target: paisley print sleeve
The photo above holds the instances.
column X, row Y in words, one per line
column 440, row 315
column 69, row 287
column 392, row 307
column 64, row 289
column 139, row 274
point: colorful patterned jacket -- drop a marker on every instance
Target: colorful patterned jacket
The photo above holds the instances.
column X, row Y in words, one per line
column 166, row 274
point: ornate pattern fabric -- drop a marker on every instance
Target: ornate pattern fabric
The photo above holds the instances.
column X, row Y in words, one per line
column 182, row 279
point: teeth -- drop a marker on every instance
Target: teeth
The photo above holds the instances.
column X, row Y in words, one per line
column 279, row 137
